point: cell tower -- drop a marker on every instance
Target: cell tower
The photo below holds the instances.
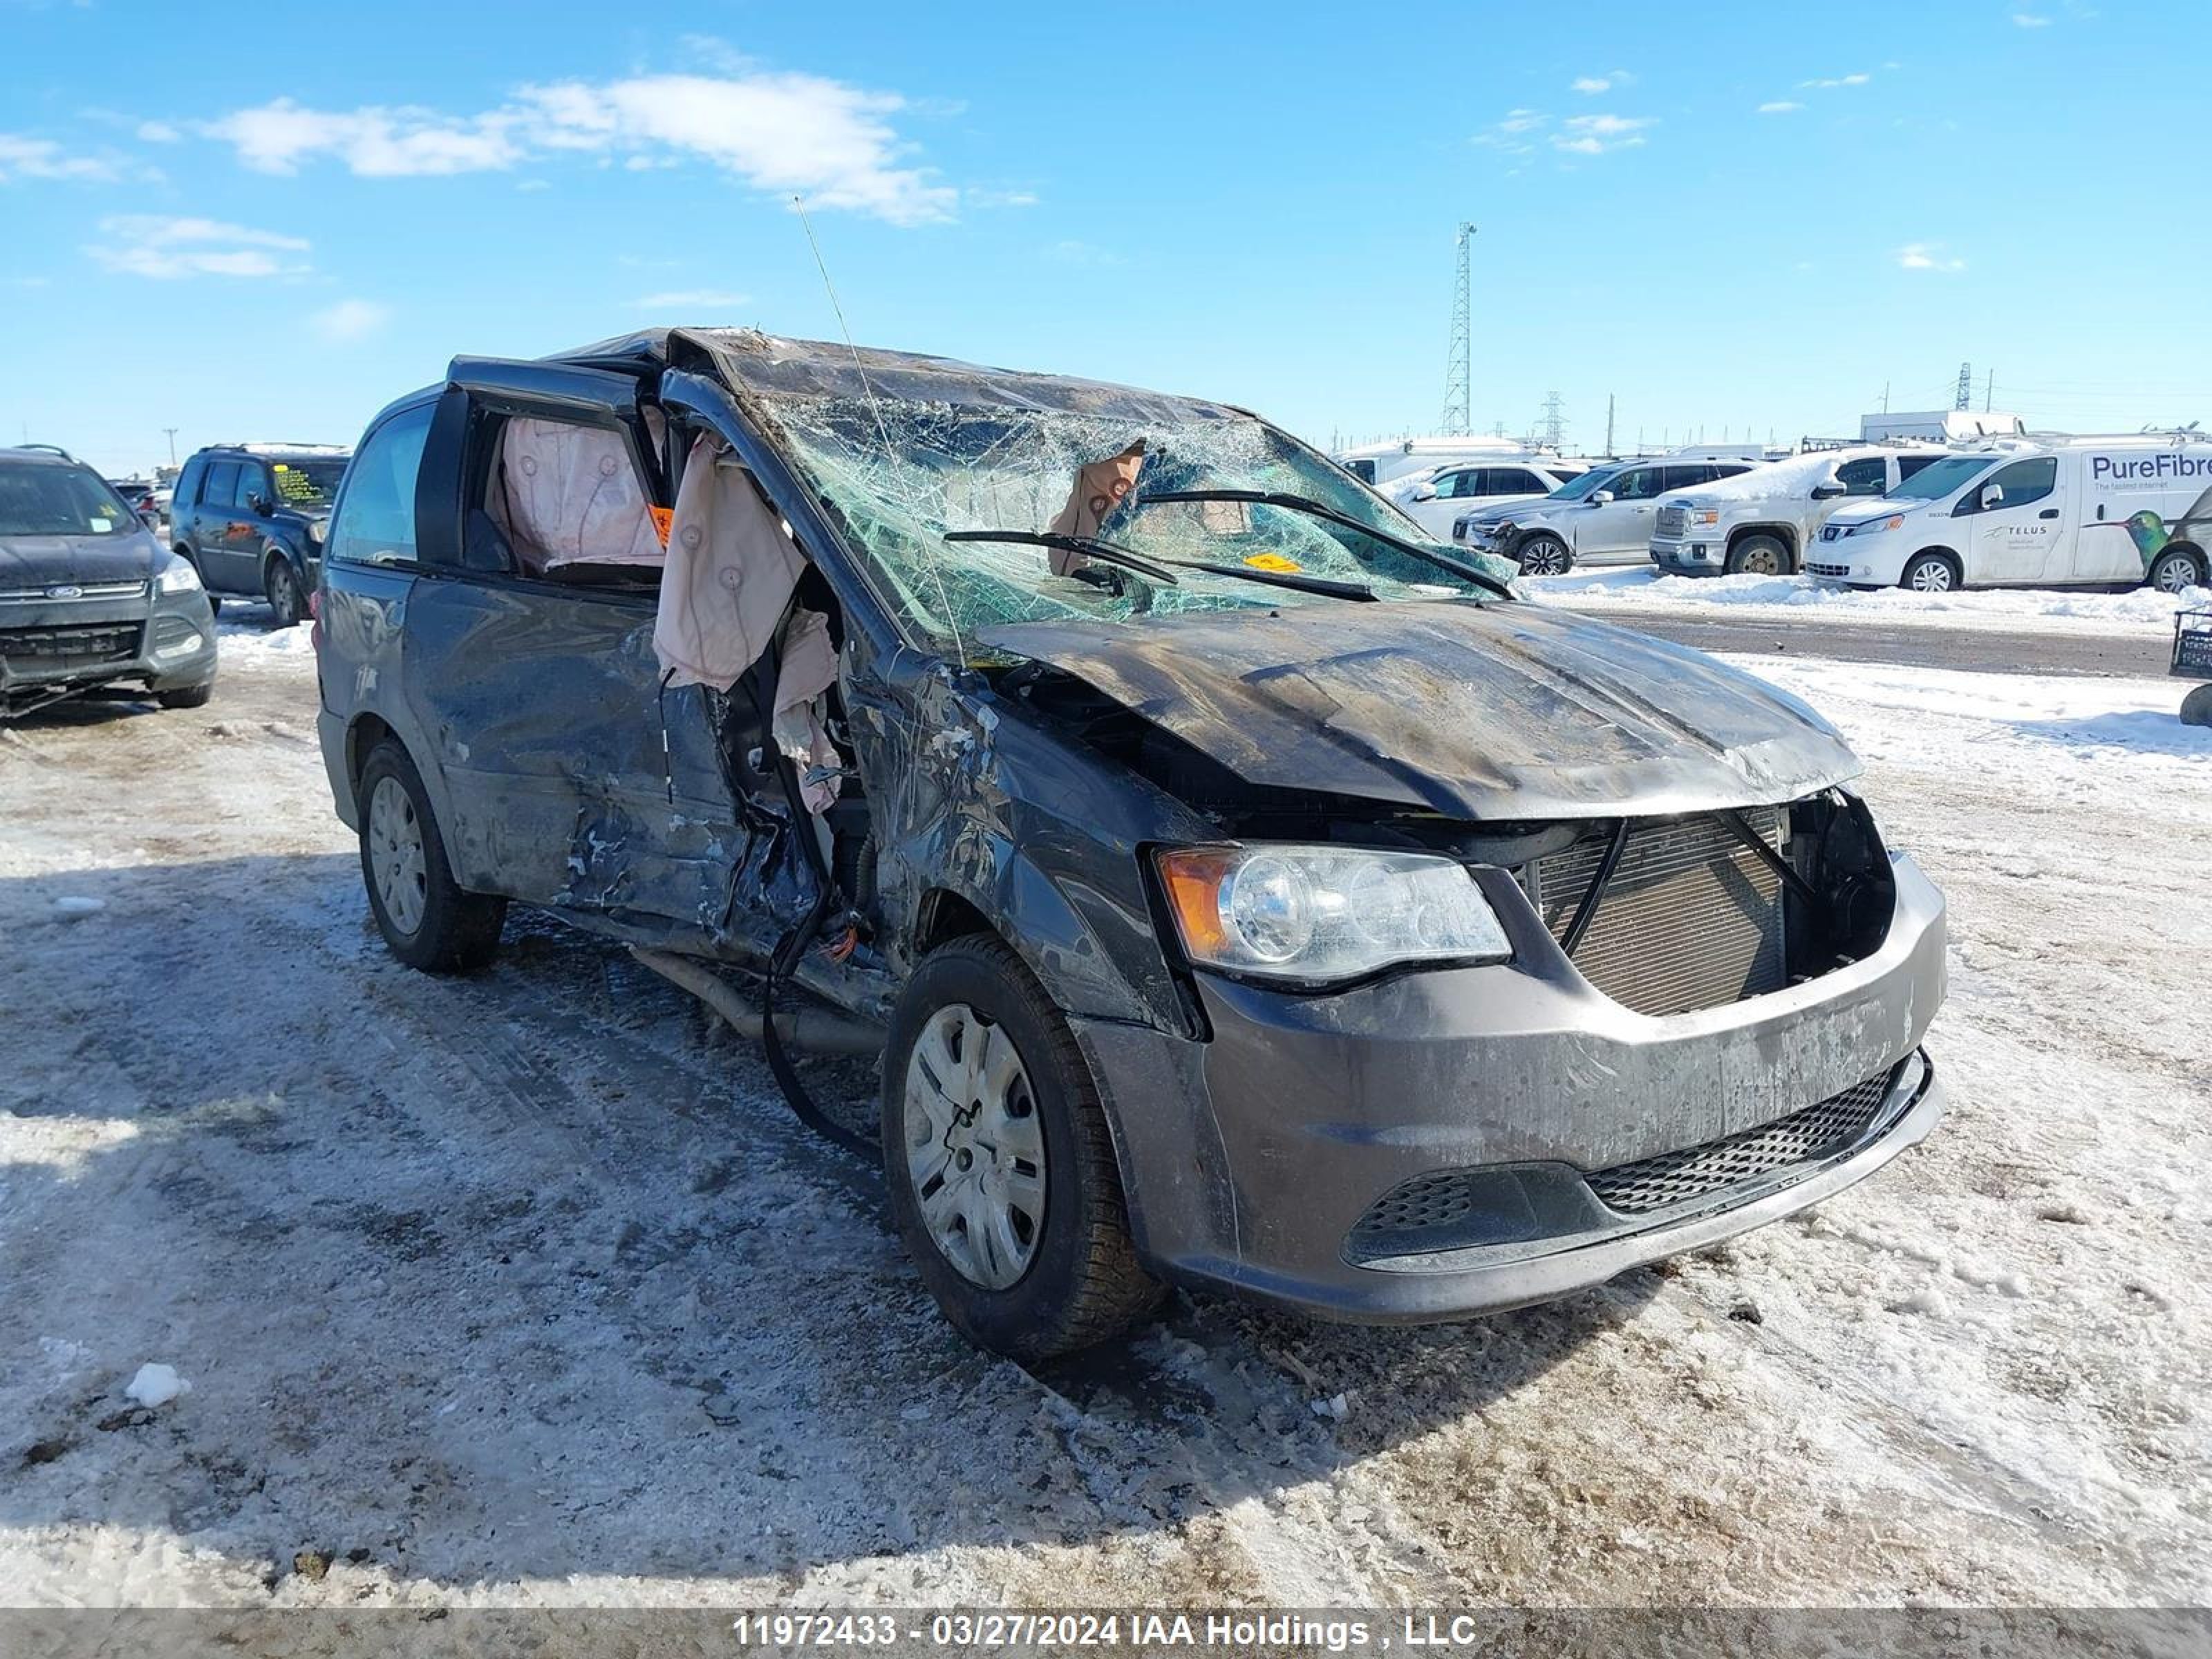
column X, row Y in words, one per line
column 1555, row 425
column 1459, row 376
column 1965, row 399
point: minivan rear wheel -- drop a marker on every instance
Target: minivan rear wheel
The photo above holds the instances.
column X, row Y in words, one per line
column 1000, row 1171
column 1545, row 555
column 2174, row 570
column 427, row 919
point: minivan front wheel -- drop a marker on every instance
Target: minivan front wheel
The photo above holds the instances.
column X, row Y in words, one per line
column 1929, row 573
column 427, row 919
column 1545, row 555
column 1000, row 1168
column 282, row 588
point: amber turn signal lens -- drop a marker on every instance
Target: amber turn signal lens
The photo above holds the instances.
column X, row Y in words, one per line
column 1193, row 877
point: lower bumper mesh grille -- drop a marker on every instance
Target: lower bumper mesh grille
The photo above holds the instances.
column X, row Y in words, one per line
column 86, row 645
column 1693, row 918
column 1820, row 1131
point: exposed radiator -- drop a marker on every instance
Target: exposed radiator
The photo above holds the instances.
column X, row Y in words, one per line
column 1693, row 918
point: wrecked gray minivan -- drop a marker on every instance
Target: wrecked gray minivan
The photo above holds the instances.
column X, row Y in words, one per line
column 1244, row 891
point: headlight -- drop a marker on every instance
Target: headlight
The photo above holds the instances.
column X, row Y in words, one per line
column 1325, row 913
column 315, row 527
column 1705, row 515
column 177, row 576
column 1875, row 526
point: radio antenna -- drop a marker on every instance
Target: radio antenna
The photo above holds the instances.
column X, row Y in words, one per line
column 875, row 407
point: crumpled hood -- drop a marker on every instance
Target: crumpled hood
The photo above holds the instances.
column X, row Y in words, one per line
column 1500, row 711
column 77, row 561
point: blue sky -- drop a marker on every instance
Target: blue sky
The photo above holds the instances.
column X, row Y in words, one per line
column 268, row 221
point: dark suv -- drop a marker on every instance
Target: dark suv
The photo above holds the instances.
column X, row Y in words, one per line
column 1242, row 888
column 89, row 599
column 250, row 517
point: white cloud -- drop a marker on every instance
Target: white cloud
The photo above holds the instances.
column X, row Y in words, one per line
column 1590, row 83
column 974, row 197
column 2028, row 19
column 1779, row 106
column 349, row 321
column 22, row 157
column 1594, row 134
column 160, row 133
column 693, row 299
column 1927, row 256
column 150, row 245
column 1838, row 81
column 782, row 133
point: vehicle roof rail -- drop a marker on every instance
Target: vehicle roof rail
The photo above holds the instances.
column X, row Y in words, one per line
column 48, row 449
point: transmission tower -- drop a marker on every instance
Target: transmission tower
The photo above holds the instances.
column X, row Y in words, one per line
column 1459, row 376
column 1554, row 424
column 1965, row 399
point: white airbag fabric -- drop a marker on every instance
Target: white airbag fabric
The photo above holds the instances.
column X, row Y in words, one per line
column 569, row 494
column 731, row 573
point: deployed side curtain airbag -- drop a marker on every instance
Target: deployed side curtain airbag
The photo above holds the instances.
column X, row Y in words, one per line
column 731, row 573
column 1099, row 488
column 808, row 669
column 569, row 494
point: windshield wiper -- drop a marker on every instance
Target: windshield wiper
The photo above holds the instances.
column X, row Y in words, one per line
column 1160, row 569
column 1441, row 560
column 1088, row 547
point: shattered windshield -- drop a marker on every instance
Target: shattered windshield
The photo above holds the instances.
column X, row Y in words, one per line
column 901, row 473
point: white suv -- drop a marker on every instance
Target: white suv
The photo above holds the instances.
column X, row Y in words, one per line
column 1434, row 501
column 1763, row 521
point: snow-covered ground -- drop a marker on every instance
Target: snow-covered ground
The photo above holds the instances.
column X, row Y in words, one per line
column 1616, row 590
column 526, row 1288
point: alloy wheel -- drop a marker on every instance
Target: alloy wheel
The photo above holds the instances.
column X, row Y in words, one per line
column 1933, row 577
column 396, row 854
column 974, row 1147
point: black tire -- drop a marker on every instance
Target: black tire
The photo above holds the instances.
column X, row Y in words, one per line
column 1761, row 556
column 1083, row 1284
column 189, row 696
column 2174, row 570
column 1543, row 553
column 456, row 931
column 280, row 586
column 1931, row 573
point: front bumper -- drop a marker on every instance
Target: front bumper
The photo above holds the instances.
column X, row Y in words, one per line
column 166, row 643
column 1690, row 556
column 1251, row 1160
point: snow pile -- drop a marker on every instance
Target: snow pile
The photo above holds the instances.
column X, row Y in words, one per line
column 1795, row 476
column 157, row 1385
column 253, row 644
column 1642, row 585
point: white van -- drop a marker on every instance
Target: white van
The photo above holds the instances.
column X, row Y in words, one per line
column 2095, row 510
column 1382, row 464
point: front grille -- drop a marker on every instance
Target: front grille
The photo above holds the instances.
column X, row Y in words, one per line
column 1674, row 520
column 83, row 594
column 1693, row 918
column 87, row 647
column 1820, row 1131
column 1828, row 569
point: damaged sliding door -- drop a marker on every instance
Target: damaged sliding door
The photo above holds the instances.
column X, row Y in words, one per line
column 583, row 784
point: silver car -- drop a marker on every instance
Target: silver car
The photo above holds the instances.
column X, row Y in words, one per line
column 1604, row 516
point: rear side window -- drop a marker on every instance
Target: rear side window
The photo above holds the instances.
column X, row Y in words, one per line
column 251, row 481
column 1513, row 481
column 375, row 519
column 1865, row 476
column 1909, row 465
column 1639, row 483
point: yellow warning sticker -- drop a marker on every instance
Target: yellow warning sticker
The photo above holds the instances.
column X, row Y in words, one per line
column 1273, row 561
